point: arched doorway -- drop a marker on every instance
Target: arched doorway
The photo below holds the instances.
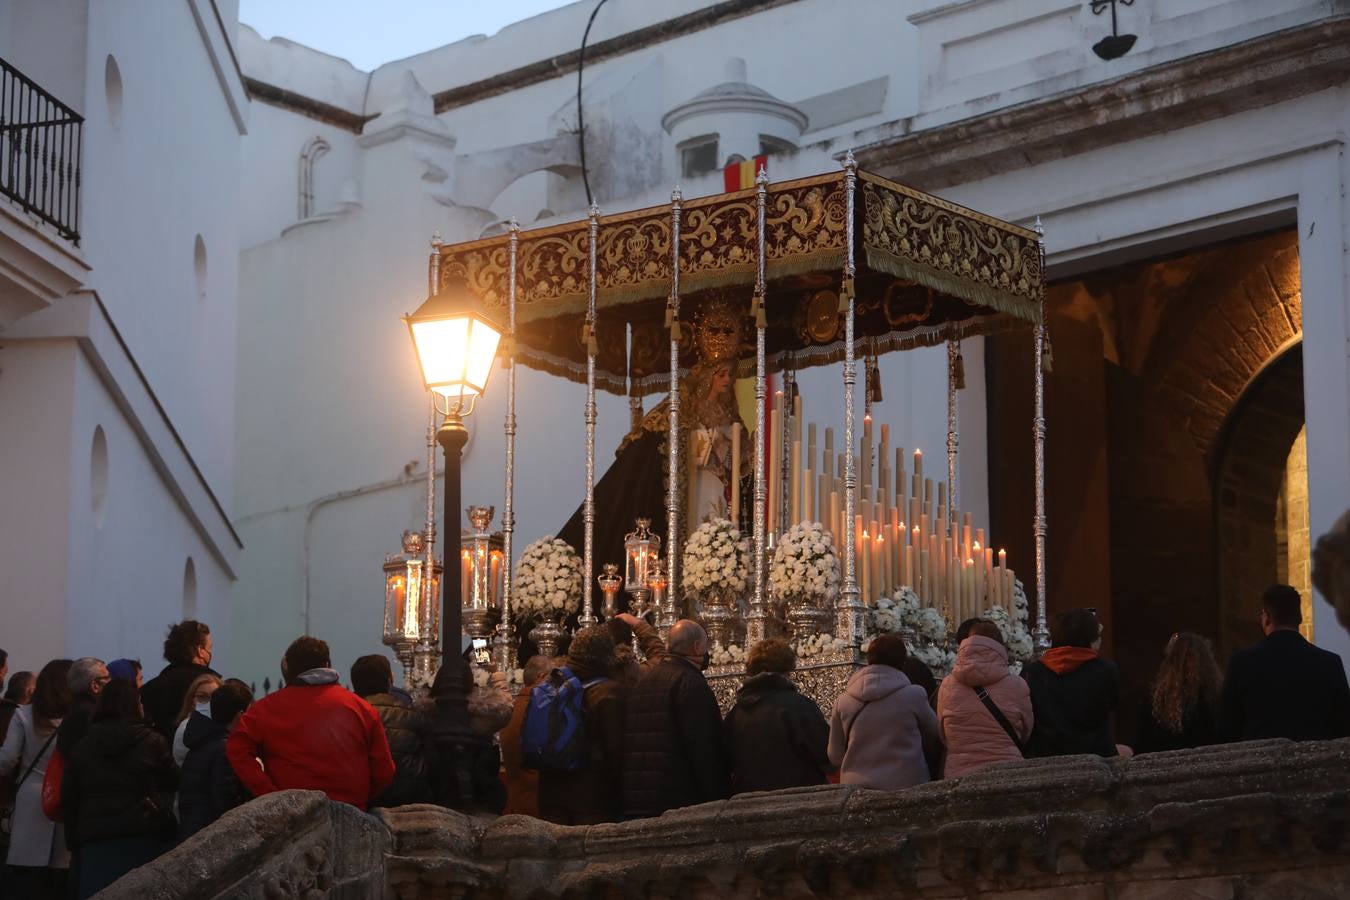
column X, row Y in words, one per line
column 1172, row 378
column 1261, row 498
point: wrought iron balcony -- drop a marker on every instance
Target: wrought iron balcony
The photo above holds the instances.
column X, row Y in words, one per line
column 40, row 143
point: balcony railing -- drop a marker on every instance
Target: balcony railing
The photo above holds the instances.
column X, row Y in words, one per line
column 40, row 143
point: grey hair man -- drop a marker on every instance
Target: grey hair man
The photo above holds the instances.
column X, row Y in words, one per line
column 673, row 753
column 86, row 679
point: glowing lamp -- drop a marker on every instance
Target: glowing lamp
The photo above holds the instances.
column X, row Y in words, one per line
column 456, row 344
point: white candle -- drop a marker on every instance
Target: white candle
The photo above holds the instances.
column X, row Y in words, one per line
column 774, row 445
column 822, row 498
column 796, row 482
column 736, row 473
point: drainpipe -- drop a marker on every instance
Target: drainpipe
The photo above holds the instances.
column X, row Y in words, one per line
column 408, row 478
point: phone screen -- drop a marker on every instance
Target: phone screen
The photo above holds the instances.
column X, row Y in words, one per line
column 481, row 654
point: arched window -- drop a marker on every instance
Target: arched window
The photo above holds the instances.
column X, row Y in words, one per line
column 309, row 155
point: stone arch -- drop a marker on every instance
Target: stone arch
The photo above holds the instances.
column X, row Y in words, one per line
column 1209, row 351
column 480, row 178
column 314, row 148
column 1256, row 459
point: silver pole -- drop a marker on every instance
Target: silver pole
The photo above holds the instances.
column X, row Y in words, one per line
column 505, row 640
column 428, row 638
column 587, row 617
column 1041, row 638
column 851, row 609
column 953, row 439
column 754, row 622
column 787, row 461
column 666, row 617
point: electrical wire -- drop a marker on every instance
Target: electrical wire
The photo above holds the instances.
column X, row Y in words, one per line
column 581, row 126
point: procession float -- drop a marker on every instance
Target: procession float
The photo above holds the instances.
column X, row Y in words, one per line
column 777, row 526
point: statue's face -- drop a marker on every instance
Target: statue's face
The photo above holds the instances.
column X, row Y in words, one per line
column 721, row 381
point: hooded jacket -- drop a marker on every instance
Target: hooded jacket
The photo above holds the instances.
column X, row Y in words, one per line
column 973, row 736
column 1073, row 693
column 118, row 784
column 775, row 738
column 208, row 788
column 878, row 728
column 312, row 735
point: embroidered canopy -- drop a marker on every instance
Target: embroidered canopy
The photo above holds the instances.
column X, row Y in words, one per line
column 927, row 269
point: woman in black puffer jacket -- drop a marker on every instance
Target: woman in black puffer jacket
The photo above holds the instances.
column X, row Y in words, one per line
column 116, row 795
column 209, row 788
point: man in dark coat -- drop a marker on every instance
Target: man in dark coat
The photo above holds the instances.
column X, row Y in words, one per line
column 673, row 731
column 188, row 652
column 590, row 795
column 208, row 787
column 775, row 738
column 1284, row 687
column 1073, row 690
column 407, row 729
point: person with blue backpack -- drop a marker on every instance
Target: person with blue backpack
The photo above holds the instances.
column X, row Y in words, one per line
column 573, row 733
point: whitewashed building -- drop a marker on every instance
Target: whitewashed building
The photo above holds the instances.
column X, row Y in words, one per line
column 1192, row 190
column 117, row 324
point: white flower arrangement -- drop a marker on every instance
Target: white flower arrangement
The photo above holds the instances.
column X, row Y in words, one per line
column 818, row 644
column 716, row 557
column 934, row 656
column 731, row 654
column 548, row 578
column 804, row 564
column 903, row 611
column 1013, row 627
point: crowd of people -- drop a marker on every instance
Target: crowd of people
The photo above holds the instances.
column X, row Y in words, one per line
column 103, row 773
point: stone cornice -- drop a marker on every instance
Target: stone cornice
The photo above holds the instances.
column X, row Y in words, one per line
column 1249, row 75
column 566, row 63
column 305, row 106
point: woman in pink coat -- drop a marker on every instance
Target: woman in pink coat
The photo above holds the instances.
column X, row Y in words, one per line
column 973, row 736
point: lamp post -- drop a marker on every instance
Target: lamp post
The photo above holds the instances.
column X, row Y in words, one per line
column 456, row 346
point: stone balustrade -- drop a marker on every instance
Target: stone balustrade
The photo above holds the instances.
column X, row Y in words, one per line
column 1255, row 820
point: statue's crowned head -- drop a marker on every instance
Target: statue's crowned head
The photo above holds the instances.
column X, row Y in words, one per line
column 719, row 330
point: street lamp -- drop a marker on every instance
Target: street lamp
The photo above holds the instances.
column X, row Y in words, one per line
column 456, row 345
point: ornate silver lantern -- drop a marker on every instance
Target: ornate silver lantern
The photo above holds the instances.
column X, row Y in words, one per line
column 642, row 555
column 412, row 619
column 610, row 585
column 482, row 569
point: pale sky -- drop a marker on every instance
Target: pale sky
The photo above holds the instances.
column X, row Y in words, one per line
column 369, row 33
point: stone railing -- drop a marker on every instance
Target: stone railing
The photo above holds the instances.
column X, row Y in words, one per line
column 1256, row 820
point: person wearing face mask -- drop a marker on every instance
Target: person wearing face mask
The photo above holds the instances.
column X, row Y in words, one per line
column 188, row 652
column 673, row 752
column 209, row 787
column 196, row 707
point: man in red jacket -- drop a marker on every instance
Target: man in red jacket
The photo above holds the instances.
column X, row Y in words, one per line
column 313, row 734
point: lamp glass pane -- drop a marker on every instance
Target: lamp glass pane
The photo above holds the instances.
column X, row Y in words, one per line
column 482, row 352
column 441, row 347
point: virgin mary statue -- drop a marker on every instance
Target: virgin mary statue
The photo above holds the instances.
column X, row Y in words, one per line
column 635, row 485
